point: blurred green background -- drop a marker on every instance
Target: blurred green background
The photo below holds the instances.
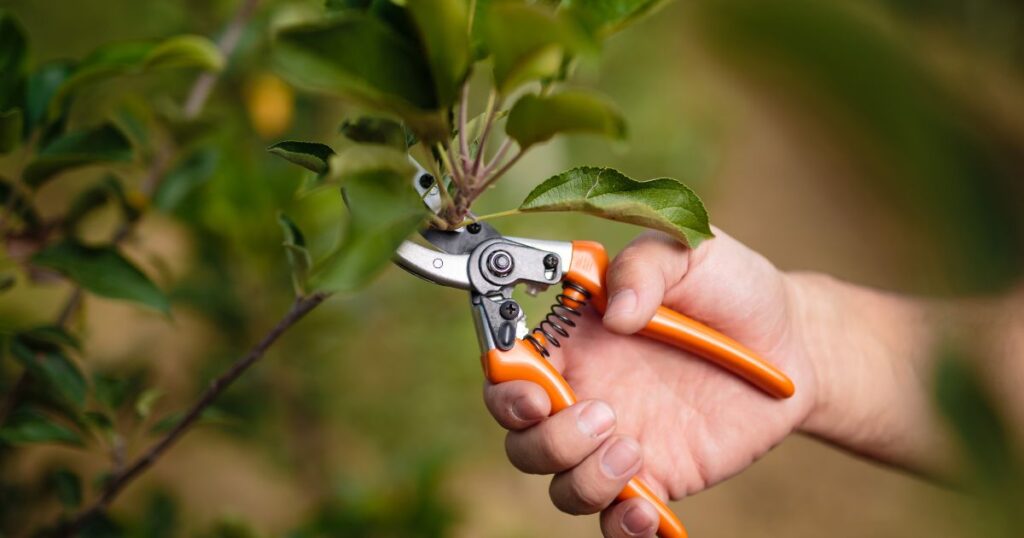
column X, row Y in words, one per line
column 870, row 140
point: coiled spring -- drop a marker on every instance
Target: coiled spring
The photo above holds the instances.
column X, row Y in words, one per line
column 559, row 320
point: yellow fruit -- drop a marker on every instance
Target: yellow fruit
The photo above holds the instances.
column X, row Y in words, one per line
column 270, row 103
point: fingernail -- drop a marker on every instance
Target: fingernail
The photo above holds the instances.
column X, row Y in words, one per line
column 623, row 302
column 523, row 410
column 637, row 522
column 595, row 419
column 620, row 458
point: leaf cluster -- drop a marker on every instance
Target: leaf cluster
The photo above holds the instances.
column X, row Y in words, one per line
column 417, row 65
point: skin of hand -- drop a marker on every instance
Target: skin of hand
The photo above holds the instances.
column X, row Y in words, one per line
column 862, row 361
column 647, row 409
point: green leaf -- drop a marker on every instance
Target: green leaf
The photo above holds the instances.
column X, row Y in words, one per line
column 187, row 176
column 112, row 391
column 974, row 417
column 211, row 416
column 185, row 51
column 27, row 425
column 103, row 144
column 661, row 204
column 369, row 159
column 162, row 518
column 50, row 365
column 373, row 130
column 7, row 281
column 363, row 59
column 18, row 204
column 145, row 402
column 49, row 335
column 298, row 256
column 475, row 125
column 384, row 210
column 528, row 43
column 68, row 488
column 309, row 155
column 128, row 58
column 100, row 422
column 104, row 62
column 11, row 123
column 444, row 32
column 103, row 271
column 605, row 17
column 41, row 88
column 535, row 119
column 135, row 119
column 101, row 525
column 107, row 190
column 342, row 5
column 13, row 59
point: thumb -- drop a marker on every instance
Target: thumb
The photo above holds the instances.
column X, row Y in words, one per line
column 637, row 279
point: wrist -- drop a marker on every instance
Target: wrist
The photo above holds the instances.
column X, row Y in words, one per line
column 869, row 354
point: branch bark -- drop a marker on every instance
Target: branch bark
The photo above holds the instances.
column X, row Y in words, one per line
column 299, row 309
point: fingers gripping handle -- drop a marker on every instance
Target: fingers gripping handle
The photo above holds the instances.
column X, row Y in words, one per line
column 588, row 267
column 523, row 362
column 675, row 329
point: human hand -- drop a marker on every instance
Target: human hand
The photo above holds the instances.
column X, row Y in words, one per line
column 679, row 422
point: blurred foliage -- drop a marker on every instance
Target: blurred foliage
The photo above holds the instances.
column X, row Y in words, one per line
column 936, row 168
column 364, row 413
column 992, row 463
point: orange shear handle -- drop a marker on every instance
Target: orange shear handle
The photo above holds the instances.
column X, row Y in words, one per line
column 588, row 267
column 524, row 362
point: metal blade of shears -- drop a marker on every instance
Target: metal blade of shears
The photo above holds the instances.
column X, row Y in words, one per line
column 460, row 241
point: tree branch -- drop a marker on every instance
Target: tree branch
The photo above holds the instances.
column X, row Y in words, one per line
column 299, row 309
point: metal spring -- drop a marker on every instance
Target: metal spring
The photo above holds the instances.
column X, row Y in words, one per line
column 558, row 322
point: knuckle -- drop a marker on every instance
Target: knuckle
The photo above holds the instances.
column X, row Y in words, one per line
column 587, row 499
column 555, row 454
column 629, row 259
column 628, row 272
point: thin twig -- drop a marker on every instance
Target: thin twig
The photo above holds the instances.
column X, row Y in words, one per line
column 69, row 307
column 463, row 111
column 299, row 309
column 227, row 44
column 499, row 154
column 489, row 216
column 443, row 151
column 501, row 171
column 158, row 168
column 493, row 103
column 117, row 454
column 11, row 401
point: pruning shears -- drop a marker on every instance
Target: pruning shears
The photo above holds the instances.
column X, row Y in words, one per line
column 489, row 265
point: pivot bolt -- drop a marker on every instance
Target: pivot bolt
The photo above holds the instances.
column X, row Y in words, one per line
column 550, row 261
column 509, row 310
column 473, row 228
column 500, row 263
column 426, row 180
